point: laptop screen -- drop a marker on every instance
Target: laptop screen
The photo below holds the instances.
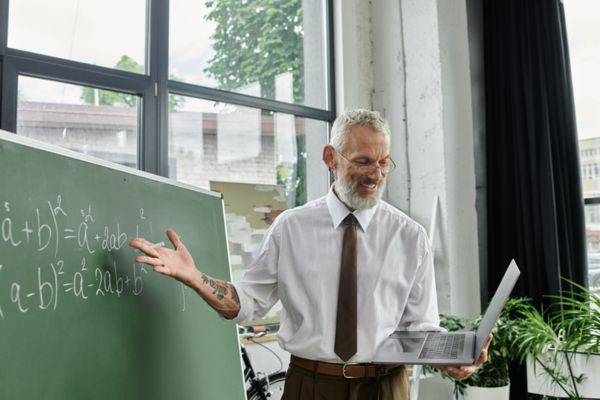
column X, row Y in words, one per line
column 496, row 305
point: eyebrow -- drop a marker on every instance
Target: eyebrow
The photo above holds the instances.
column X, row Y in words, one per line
column 388, row 157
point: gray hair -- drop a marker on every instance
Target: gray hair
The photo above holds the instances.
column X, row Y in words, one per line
column 369, row 119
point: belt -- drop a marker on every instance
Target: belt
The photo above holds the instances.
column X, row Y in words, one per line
column 366, row 370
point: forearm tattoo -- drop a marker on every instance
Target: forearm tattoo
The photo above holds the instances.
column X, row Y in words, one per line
column 234, row 294
column 221, row 288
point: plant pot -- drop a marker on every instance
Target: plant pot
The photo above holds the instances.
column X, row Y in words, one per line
column 487, row 393
column 539, row 382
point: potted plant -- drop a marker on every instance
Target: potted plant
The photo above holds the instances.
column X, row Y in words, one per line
column 492, row 380
column 560, row 346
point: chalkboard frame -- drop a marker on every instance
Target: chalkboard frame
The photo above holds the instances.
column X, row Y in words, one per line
column 153, row 390
column 37, row 144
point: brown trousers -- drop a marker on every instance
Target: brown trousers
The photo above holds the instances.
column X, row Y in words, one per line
column 301, row 384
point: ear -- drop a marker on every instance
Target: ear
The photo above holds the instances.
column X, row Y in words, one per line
column 329, row 157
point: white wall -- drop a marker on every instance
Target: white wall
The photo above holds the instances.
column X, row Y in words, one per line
column 460, row 161
column 409, row 59
column 353, row 55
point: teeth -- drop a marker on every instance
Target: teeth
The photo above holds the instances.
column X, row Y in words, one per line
column 371, row 186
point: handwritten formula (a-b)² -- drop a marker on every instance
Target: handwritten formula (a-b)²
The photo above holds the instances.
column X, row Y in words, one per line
column 70, row 255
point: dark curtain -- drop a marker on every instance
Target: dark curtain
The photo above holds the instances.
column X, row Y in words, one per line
column 535, row 204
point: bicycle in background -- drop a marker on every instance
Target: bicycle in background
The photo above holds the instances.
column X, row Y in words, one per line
column 260, row 385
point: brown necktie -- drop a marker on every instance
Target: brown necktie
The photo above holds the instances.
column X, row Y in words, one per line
column 345, row 327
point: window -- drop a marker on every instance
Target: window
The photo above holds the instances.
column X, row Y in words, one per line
column 85, row 119
column 230, row 96
column 261, row 48
column 86, row 31
column 584, row 34
column 211, row 141
column 133, row 78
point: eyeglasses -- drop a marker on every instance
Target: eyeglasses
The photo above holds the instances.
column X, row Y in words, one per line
column 386, row 165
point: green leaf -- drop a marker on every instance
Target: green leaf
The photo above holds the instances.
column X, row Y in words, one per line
column 275, row 31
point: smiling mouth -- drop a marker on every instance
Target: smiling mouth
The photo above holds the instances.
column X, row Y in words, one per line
column 360, row 193
column 369, row 184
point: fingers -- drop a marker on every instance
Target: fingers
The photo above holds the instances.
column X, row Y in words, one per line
column 157, row 264
column 464, row 372
column 489, row 341
column 174, row 238
column 453, row 371
column 162, row 270
column 459, row 372
column 144, row 246
column 149, row 260
column 483, row 356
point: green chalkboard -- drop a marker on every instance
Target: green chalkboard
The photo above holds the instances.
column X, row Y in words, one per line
column 78, row 318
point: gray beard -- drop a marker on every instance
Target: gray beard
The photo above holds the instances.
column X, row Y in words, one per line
column 347, row 193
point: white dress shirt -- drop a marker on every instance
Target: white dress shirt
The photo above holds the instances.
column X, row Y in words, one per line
column 299, row 263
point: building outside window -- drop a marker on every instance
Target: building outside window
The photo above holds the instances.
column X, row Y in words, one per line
column 584, row 36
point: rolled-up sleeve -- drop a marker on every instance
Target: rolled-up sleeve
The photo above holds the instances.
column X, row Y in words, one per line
column 258, row 289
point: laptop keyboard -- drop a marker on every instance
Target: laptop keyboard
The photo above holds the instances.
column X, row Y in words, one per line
column 442, row 345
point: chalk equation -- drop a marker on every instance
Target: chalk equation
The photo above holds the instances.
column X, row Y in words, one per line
column 70, row 255
column 45, row 231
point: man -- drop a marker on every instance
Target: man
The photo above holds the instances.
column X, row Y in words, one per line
column 332, row 326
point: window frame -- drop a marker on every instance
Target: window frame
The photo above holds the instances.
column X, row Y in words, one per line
column 153, row 88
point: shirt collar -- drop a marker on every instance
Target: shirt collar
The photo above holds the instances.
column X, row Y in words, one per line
column 339, row 211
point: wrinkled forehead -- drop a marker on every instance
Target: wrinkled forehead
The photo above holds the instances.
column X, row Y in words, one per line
column 361, row 138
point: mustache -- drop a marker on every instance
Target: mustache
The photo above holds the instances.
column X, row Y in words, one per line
column 348, row 191
column 368, row 181
column 364, row 180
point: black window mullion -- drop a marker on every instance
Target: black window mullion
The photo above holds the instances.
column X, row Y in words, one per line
column 52, row 68
column 591, row 200
column 155, row 132
column 206, row 93
column 3, row 43
column 3, row 26
column 8, row 102
column 147, row 133
column 329, row 59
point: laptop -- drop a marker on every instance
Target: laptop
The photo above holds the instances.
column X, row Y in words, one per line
column 447, row 348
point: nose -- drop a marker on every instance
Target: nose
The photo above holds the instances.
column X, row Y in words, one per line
column 376, row 173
